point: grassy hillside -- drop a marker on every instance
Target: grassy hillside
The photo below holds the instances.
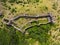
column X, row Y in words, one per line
column 48, row 34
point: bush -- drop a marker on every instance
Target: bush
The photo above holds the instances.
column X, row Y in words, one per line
column 3, row 1
column 55, row 5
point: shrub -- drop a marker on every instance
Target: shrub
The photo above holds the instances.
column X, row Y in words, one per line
column 54, row 6
column 39, row 33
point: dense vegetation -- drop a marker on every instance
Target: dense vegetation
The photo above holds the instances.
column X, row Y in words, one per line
column 40, row 33
column 10, row 36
